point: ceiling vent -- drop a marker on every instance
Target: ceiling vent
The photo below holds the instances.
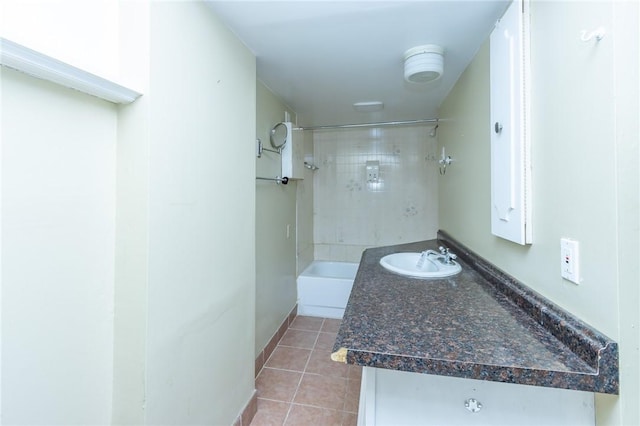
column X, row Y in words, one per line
column 423, row 64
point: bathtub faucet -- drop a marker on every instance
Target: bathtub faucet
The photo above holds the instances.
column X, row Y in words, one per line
column 447, row 256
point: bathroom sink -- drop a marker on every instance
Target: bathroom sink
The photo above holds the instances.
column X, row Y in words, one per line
column 428, row 264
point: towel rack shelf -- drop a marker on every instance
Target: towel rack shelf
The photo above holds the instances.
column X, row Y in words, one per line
column 278, row 180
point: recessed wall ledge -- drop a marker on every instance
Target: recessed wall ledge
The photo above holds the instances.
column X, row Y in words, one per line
column 480, row 324
column 39, row 65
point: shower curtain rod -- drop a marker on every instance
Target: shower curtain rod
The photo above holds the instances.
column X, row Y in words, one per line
column 382, row 123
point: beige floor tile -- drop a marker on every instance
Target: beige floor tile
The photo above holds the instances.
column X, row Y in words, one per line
column 326, row 341
column 320, row 363
column 278, row 385
column 352, row 397
column 307, row 323
column 355, row 373
column 299, row 339
column 350, row 419
column 321, row 391
column 288, row 358
column 299, row 385
column 270, row 413
column 331, row 325
column 302, row 415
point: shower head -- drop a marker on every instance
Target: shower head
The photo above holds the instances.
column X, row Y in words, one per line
column 311, row 166
column 434, row 131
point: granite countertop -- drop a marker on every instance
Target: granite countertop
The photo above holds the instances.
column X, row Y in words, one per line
column 479, row 324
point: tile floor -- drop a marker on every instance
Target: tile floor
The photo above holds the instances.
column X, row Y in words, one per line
column 299, row 385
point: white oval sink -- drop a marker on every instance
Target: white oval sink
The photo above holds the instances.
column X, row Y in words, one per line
column 433, row 265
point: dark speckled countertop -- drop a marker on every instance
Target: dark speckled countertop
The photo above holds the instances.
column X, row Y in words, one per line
column 480, row 324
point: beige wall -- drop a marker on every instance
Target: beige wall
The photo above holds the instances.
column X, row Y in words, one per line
column 585, row 173
column 58, row 228
column 351, row 214
column 201, row 201
column 124, row 299
column 132, row 218
column 275, row 211
column 57, row 217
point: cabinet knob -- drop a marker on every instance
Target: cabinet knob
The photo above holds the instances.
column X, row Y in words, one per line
column 497, row 127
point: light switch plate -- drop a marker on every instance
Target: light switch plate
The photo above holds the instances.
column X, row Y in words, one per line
column 570, row 260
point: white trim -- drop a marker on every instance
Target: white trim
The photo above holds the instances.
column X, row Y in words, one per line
column 39, row 65
column 510, row 140
column 367, row 403
column 320, row 311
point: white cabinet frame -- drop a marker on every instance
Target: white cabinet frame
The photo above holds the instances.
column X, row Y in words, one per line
column 510, row 134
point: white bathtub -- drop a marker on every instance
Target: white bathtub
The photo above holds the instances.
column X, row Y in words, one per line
column 324, row 288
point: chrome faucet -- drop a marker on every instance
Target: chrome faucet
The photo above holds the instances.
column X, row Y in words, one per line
column 447, row 256
column 423, row 257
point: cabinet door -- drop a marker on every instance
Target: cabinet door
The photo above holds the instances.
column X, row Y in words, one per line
column 510, row 177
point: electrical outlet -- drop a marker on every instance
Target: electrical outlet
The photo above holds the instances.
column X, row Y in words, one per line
column 570, row 260
column 373, row 171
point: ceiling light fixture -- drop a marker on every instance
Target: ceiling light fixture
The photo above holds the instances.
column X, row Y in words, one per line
column 368, row 106
column 423, row 63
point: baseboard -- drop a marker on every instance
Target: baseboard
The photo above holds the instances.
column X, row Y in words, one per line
column 249, row 411
column 264, row 355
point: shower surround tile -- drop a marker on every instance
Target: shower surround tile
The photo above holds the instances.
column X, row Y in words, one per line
column 350, row 213
column 304, row 209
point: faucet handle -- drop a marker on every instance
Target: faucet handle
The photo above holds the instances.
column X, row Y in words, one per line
column 448, row 256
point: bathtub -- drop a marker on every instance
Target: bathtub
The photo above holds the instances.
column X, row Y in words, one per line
column 324, row 288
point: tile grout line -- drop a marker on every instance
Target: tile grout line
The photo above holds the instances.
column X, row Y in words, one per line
column 342, row 413
column 264, row 365
column 302, row 376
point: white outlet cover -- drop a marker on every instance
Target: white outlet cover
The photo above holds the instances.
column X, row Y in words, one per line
column 570, row 260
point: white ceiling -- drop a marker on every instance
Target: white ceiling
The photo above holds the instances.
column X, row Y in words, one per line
column 320, row 57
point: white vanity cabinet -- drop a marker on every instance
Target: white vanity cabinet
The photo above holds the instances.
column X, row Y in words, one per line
column 510, row 154
column 392, row 398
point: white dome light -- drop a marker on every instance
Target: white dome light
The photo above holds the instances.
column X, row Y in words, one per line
column 368, row 106
column 423, row 63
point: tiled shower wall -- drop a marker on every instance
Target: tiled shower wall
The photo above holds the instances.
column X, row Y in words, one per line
column 351, row 213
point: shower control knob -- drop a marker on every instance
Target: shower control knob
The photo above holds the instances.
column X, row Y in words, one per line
column 497, row 127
